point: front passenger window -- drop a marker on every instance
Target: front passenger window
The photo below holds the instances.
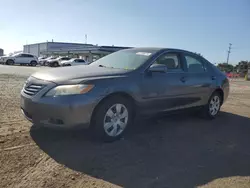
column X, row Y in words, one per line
column 170, row 60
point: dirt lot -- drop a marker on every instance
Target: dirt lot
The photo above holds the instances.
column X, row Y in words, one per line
column 177, row 151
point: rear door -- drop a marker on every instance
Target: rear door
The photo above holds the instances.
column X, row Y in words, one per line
column 198, row 81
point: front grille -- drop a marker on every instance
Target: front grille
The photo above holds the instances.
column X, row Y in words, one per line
column 32, row 89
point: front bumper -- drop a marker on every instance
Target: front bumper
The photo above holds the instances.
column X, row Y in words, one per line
column 63, row 111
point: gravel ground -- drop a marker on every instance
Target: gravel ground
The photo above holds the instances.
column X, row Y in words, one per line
column 176, row 151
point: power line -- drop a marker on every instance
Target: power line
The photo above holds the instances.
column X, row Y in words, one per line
column 228, row 52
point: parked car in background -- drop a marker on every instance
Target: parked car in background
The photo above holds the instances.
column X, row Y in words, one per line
column 106, row 95
column 41, row 59
column 43, row 62
column 56, row 62
column 20, row 58
column 74, row 62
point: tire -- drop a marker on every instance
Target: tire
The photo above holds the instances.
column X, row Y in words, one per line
column 55, row 64
column 116, row 126
column 212, row 109
column 10, row 62
column 33, row 63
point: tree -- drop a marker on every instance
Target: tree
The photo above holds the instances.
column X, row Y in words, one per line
column 243, row 67
column 224, row 67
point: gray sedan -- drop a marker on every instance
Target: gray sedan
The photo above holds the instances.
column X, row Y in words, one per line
column 106, row 95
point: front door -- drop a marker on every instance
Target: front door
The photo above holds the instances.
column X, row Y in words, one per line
column 22, row 59
column 164, row 91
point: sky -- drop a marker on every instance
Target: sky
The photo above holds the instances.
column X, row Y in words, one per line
column 202, row 26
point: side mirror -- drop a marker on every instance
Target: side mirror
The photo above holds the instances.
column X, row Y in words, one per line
column 158, row 68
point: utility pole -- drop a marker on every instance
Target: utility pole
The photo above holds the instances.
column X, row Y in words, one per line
column 228, row 52
column 86, row 38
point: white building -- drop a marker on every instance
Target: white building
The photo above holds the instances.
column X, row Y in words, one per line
column 87, row 51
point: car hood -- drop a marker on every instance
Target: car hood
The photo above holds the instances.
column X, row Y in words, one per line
column 64, row 74
column 5, row 56
column 51, row 60
column 66, row 61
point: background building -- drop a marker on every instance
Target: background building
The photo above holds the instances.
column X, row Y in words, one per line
column 1, row 52
column 88, row 52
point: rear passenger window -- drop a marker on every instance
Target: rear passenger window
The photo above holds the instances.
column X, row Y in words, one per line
column 194, row 65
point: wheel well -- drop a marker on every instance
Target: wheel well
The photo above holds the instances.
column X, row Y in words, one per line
column 120, row 94
column 220, row 91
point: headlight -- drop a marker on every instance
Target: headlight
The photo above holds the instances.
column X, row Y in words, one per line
column 69, row 90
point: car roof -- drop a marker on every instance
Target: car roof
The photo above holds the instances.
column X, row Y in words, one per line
column 160, row 49
column 22, row 53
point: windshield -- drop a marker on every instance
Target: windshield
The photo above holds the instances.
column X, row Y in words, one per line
column 15, row 55
column 65, row 58
column 125, row 59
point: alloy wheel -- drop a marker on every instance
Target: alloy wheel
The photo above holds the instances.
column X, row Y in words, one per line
column 214, row 105
column 115, row 120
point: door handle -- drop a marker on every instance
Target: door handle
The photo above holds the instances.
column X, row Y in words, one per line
column 183, row 79
column 213, row 77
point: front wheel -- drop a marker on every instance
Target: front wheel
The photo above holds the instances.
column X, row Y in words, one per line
column 212, row 109
column 112, row 118
column 55, row 64
column 10, row 62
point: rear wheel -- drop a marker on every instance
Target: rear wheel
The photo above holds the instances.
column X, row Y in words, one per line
column 212, row 109
column 33, row 63
column 112, row 118
column 10, row 62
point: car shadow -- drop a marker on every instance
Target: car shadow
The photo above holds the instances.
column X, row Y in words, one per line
column 176, row 151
